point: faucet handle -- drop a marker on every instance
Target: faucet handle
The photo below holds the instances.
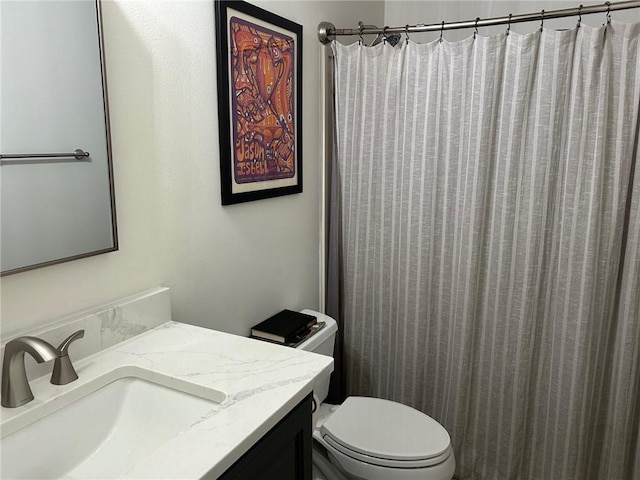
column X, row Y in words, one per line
column 63, row 348
column 63, row 371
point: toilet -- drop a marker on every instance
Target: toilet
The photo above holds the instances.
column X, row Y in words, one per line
column 370, row 438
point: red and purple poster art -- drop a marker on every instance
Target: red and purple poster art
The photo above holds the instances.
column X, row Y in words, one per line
column 262, row 85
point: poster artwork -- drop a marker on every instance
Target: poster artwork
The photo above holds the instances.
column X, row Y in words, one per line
column 262, row 92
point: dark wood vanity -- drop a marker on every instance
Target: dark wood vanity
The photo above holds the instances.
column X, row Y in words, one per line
column 284, row 453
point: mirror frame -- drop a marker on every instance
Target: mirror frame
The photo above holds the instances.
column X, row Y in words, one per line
column 114, row 224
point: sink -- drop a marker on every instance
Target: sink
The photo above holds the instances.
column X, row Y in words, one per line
column 104, row 434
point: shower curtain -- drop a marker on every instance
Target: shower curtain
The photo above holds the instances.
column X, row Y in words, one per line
column 488, row 202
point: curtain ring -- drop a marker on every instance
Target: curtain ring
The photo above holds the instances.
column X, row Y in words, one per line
column 361, row 40
column 541, row 19
column 608, row 4
column 509, row 24
column 406, row 32
column 384, row 34
column 475, row 32
column 441, row 31
column 579, row 16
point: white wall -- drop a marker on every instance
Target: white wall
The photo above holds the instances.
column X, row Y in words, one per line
column 227, row 267
column 401, row 12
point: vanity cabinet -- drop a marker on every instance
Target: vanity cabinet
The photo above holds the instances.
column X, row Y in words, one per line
column 284, row 453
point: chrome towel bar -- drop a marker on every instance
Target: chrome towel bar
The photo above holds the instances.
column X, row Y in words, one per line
column 78, row 154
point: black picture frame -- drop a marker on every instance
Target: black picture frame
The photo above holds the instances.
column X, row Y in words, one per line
column 259, row 75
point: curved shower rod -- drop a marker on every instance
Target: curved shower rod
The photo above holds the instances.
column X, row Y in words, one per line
column 328, row 32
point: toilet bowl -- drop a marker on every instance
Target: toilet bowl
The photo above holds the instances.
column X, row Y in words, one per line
column 374, row 439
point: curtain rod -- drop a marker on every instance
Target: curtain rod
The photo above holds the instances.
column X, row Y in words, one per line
column 328, row 32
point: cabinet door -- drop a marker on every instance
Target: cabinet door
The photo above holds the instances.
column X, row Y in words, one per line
column 282, row 454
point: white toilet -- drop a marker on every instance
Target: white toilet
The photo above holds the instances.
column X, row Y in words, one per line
column 373, row 439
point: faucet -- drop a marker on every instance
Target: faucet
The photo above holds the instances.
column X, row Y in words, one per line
column 15, row 385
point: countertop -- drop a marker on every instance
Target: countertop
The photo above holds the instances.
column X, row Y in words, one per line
column 256, row 384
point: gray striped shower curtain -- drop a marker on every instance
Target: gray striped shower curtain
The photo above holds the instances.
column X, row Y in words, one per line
column 489, row 210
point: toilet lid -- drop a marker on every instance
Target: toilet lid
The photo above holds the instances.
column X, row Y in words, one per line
column 386, row 430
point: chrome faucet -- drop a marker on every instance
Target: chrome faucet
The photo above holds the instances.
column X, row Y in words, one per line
column 15, row 385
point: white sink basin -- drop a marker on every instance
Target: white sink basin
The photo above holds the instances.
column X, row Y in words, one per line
column 104, row 434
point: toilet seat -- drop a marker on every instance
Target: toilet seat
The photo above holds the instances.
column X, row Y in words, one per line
column 384, row 462
column 387, row 434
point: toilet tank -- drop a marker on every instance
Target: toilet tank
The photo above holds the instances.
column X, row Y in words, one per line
column 322, row 343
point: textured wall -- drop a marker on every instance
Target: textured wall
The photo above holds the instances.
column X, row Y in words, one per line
column 227, row 267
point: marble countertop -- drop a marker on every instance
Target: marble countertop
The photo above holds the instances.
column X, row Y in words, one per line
column 255, row 384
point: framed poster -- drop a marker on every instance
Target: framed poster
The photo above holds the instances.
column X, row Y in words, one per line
column 259, row 102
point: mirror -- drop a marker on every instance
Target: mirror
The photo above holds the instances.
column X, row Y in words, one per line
column 56, row 179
